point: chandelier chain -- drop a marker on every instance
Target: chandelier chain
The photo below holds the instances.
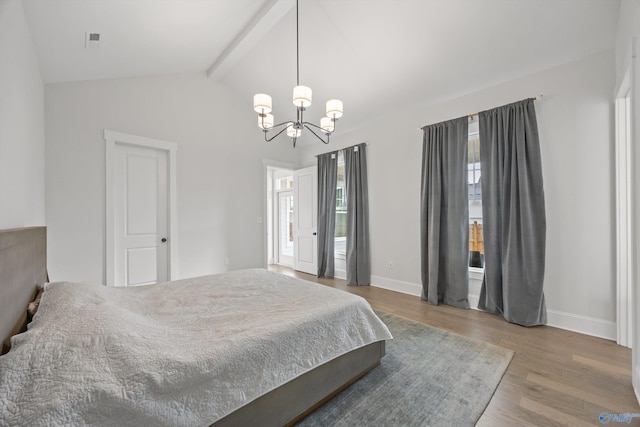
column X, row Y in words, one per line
column 297, row 48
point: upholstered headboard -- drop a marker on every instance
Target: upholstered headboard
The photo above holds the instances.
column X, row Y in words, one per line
column 23, row 266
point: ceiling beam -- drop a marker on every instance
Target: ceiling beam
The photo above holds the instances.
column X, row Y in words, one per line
column 268, row 16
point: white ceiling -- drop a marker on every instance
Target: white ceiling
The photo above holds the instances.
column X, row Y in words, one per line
column 375, row 55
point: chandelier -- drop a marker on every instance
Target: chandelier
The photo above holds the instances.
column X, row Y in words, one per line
column 302, row 100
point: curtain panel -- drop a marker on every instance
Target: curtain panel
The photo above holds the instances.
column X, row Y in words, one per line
column 327, row 183
column 444, row 214
column 358, row 254
column 513, row 210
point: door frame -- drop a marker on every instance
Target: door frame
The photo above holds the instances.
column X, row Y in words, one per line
column 113, row 138
column 635, row 192
column 624, row 212
column 267, row 204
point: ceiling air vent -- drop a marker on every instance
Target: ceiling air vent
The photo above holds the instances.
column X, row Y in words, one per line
column 91, row 40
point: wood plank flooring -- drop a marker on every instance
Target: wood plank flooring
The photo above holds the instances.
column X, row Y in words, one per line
column 556, row 377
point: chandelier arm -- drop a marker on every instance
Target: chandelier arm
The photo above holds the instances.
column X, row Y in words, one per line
column 281, row 124
column 274, row 136
column 318, row 127
column 316, row 135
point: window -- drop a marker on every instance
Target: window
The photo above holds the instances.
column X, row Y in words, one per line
column 341, row 211
column 341, row 202
column 284, row 183
column 476, row 244
column 474, row 176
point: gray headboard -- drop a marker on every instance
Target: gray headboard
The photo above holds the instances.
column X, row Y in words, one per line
column 23, row 266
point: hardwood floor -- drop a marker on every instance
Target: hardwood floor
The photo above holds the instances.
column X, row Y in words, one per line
column 556, row 377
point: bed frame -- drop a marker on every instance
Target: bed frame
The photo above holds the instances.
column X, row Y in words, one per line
column 292, row 401
column 23, row 267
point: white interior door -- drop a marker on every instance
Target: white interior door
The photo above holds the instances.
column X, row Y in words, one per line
column 305, row 194
column 140, row 215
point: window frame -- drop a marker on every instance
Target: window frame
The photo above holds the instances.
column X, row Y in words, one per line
column 474, row 202
column 340, row 208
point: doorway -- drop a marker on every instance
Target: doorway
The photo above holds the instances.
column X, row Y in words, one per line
column 284, row 227
column 140, row 217
column 291, row 199
column 281, row 204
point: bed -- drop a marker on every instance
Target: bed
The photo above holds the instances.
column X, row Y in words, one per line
column 230, row 349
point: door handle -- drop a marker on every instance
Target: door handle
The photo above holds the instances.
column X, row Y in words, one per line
column 164, row 240
column 315, row 234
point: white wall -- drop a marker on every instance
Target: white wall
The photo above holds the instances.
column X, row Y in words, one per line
column 21, row 122
column 576, row 134
column 628, row 27
column 219, row 169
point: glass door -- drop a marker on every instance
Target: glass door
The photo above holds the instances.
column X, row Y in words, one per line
column 285, row 228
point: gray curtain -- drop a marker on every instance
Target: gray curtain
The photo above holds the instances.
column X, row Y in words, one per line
column 327, row 182
column 513, row 212
column 358, row 251
column 444, row 214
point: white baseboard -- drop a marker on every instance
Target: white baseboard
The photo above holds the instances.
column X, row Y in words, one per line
column 572, row 322
column 583, row 324
column 397, row 285
column 410, row 288
column 340, row 274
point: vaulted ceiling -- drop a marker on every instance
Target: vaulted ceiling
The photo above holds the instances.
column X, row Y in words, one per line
column 375, row 55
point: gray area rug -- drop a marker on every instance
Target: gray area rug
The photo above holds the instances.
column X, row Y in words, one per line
column 429, row 377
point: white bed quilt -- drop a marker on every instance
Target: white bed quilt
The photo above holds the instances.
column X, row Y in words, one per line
column 178, row 353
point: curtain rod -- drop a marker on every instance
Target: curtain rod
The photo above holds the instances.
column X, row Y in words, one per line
column 354, row 145
column 535, row 98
